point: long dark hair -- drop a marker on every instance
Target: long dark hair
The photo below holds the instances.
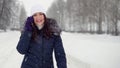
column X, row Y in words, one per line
column 47, row 31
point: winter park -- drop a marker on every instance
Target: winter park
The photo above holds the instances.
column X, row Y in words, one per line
column 90, row 31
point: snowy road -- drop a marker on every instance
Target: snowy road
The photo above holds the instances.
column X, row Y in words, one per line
column 78, row 48
column 10, row 58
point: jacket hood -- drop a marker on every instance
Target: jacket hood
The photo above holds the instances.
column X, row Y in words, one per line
column 54, row 26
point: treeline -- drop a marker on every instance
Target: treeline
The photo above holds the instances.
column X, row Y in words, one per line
column 12, row 14
column 87, row 16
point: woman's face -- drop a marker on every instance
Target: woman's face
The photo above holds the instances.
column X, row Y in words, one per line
column 39, row 18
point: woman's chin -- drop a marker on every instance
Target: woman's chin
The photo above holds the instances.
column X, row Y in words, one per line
column 39, row 24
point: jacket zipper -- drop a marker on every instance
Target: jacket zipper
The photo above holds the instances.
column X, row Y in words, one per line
column 42, row 52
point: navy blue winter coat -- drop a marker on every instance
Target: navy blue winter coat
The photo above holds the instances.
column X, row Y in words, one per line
column 39, row 53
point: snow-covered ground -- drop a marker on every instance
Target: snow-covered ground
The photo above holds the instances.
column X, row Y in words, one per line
column 9, row 57
column 83, row 50
column 97, row 51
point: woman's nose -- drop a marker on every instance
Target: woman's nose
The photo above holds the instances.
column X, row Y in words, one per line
column 38, row 17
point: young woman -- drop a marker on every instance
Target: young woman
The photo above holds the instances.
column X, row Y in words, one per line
column 41, row 36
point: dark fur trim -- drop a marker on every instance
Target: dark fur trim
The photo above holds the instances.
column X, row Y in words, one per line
column 54, row 26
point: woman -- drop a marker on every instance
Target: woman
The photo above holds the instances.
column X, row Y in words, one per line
column 40, row 37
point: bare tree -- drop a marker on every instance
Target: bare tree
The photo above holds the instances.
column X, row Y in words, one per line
column 22, row 17
column 9, row 14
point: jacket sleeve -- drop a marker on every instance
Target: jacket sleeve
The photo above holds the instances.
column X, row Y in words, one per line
column 60, row 55
column 24, row 41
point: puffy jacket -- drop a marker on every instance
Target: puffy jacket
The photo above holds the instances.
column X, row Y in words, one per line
column 39, row 53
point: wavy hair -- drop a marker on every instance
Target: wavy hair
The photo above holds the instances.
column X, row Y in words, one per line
column 47, row 31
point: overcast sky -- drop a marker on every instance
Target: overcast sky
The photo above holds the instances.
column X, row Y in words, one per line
column 29, row 3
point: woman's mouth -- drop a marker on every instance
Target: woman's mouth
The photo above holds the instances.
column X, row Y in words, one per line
column 39, row 21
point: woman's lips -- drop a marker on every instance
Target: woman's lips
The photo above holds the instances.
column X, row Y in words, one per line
column 39, row 21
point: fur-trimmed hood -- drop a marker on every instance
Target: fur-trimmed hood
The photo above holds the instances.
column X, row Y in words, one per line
column 54, row 26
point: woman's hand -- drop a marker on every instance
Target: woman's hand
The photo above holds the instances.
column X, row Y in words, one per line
column 29, row 24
